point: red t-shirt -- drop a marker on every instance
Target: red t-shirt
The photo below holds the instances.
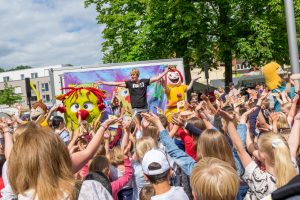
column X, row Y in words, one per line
column 188, row 143
column 1, row 185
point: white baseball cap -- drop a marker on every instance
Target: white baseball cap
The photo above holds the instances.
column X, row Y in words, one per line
column 155, row 156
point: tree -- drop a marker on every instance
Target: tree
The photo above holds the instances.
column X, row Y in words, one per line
column 210, row 31
column 8, row 95
column 20, row 67
column 2, row 70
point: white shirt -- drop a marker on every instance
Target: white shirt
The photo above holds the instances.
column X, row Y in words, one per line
column 175, row 193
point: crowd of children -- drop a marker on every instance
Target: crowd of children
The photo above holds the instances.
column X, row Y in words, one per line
column 232, row 145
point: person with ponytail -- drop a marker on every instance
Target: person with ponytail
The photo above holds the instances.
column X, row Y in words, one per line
column 274, row 152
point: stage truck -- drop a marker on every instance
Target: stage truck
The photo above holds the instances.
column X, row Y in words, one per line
column 83, row 76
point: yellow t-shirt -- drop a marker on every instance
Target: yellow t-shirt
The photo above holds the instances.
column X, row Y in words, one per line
column 271, row 76
column 44, row 123
column 176, row 94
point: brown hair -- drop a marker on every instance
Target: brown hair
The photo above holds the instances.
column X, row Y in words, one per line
column 147, row 192
column 40, row 161
column 41, row 105
column 195, row 121
column 163, row 119
column 99, row 163
column 215, row 179
column 212, row 143
column 135, row 71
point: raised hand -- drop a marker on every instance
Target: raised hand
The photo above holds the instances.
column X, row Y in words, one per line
column 151, row 118
column 100, row 82
column 204, row 97
column 109, row 122
column 225, row 115
column 180, row 121
column 196, row 78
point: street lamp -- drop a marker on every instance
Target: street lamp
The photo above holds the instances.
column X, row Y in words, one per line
column 292, row 36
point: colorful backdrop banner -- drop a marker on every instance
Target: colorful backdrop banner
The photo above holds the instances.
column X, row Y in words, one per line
column 155, row 94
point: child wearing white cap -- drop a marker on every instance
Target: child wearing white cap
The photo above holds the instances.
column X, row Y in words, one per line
column 157, row 170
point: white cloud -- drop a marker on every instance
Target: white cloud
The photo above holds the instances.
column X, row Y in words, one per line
column 47, row 32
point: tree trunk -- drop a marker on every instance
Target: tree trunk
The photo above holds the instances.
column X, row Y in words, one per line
column 225, row 41
column 228, row 67
column 187, row 71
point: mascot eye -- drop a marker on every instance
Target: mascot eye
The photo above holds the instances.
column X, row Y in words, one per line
column 124, row 93
column 75, row 107
column 88, row 106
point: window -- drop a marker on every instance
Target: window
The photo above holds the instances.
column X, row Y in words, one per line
column 22, row 76
column 33, row 98
column 46, row 98
column 45, row 87
column 5, row 78
column 18, row 90
column 34, row 75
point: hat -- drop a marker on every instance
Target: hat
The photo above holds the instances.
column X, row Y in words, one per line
column 155, row 156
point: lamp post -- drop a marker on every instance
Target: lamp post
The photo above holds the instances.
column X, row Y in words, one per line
column 292, row 37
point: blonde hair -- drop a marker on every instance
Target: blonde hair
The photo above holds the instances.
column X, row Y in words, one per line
column 212, row 143
column 278, row 155
column 215, row 179
column 40, row 161
column 282, row 122
column 117, row 156
column 135, row 71
column 143, row 145
column 151, row 131
column 286, row 106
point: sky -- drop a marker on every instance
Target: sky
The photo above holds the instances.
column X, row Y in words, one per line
column 48, row 32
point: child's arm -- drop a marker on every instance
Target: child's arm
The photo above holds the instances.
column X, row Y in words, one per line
column 293, row 140
column 79, row 159
column 118, row 184
column 293, row 110
column 174, row 130
column 236, row 140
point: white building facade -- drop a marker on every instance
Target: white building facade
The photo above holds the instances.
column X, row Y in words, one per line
column 38, row 76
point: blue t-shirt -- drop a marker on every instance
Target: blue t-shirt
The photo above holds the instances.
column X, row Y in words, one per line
column 64, row 136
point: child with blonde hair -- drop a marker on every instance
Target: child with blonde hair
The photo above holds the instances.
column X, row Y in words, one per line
column 213, row 178
column 278, row 156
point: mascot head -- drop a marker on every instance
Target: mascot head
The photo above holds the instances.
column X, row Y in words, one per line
column 38, row 108
column 87, row 101
column 271, row 73
column 174, row 77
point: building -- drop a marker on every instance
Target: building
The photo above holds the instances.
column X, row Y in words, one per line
column 39, row 76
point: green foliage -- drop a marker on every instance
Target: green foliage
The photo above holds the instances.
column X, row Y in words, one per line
column 199, row 31
column 20, row 67
column 8, row 96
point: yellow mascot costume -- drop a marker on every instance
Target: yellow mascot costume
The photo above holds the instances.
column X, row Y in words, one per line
column 274, row 82
column 175, row 92
column 87, row 101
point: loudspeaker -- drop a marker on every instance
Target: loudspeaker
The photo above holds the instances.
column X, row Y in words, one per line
column 28, row 88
